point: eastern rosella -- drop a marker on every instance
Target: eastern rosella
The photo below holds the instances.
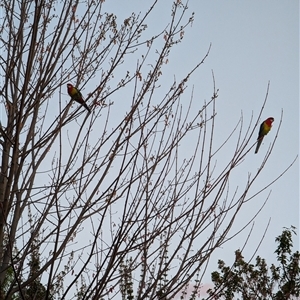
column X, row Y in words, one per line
column 75, row 94
column 264, row 129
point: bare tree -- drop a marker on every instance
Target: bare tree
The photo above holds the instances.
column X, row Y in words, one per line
column 94, row 205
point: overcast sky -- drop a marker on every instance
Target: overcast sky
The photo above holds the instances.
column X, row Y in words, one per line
column 253, row 43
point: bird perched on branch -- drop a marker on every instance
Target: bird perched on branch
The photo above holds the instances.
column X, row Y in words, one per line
column 76, row 95
column 264, row 129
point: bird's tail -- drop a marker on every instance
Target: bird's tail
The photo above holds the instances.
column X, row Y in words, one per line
column 85, row 105
column 259, row 141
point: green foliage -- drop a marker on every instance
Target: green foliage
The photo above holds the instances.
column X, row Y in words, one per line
column 9, row 278
column 35, row 289
column 258, row 282
column 126, row 283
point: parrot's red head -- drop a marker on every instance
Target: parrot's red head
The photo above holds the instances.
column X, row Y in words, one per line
column 269, row 121
column 69, row 86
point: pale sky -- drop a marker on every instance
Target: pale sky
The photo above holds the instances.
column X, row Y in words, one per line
column 253, row 42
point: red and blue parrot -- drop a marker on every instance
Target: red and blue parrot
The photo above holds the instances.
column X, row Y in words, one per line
column 76, row 95
column 264, row 129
